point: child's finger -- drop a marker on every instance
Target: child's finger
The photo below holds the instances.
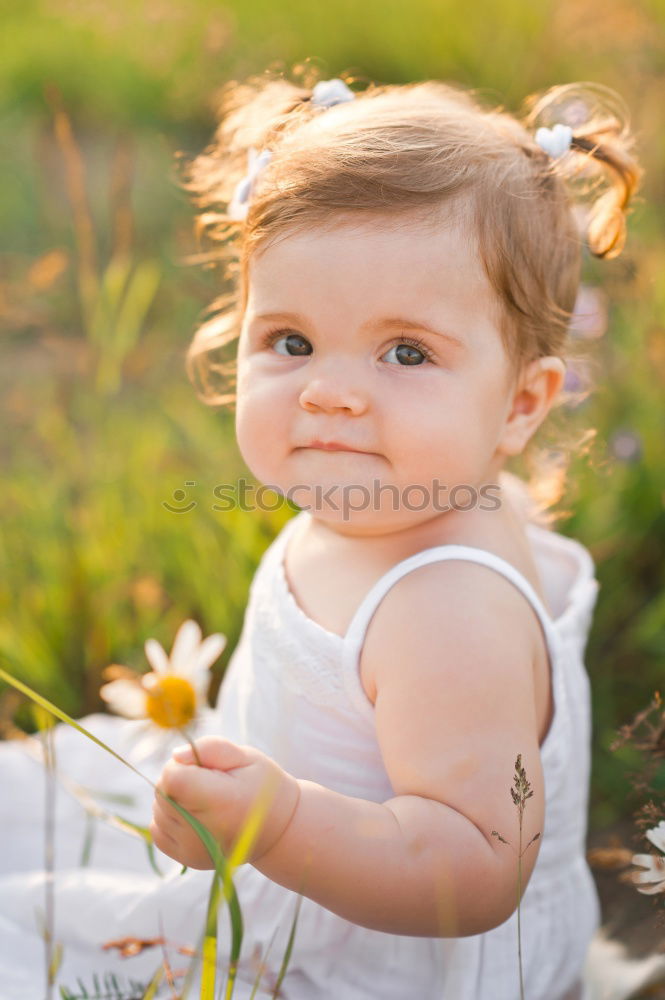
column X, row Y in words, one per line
column 178, row 782
column 215, row 752
column 163, row 840
column 160, row 831
column 165, row 814
column 175, row 782
column 184, row 754
column 194, row 787
column 165, row 827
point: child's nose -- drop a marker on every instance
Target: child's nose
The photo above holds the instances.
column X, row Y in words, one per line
column 334, row 389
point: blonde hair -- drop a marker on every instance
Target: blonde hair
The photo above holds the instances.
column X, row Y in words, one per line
column 400, row 149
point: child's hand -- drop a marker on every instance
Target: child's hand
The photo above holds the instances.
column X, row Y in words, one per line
column 220, row 794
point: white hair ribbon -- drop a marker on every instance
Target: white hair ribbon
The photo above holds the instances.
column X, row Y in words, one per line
column 327, row 93
column 556, row 140
column 239, row 204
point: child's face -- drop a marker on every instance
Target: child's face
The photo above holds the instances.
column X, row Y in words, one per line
column 344, row 304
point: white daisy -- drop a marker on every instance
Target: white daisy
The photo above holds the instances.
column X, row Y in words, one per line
column 657, row 836
column 175, row 690
column 652, row 880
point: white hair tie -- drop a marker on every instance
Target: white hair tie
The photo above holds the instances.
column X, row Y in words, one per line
column 239, row 204
column 555, row 141
column 326, row 94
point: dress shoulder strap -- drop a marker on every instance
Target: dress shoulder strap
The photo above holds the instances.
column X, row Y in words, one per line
column 355, row 636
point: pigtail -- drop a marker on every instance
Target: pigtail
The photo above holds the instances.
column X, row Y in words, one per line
column 599, row 169
column 606, row 225
column 600, row 176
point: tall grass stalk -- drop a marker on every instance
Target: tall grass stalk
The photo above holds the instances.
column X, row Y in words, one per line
column 289, row 948
column 84, row 231
column 51, row 953
column 154, row 984
column 520, row 792
column 95, row 812
column 263, row 965
column 114, row 300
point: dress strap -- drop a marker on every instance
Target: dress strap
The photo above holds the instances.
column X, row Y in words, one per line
column 355, row 636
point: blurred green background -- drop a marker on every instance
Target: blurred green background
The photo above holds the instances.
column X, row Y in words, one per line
column 100, row 291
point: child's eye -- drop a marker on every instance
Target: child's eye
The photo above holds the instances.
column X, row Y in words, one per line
column 293, row 345
column 410, row 351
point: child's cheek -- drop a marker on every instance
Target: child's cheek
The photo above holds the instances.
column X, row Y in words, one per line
column 263, row 440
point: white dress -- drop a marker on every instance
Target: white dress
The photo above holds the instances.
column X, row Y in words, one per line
column 293, row 690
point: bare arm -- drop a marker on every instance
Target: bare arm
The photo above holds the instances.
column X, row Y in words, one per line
column 450, row 651
column 454, row 707
column 408, row 866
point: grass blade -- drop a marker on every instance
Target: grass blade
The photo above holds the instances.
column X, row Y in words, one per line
column 59, row 714
column 222, row 886
column 263, row 964
column 88, row 840
column 153, row 985
column 289, row 948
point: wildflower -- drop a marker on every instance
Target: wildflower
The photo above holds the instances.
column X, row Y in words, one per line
column 657, row 836
column 626, row 445
column 173, row 692
column 654, row 865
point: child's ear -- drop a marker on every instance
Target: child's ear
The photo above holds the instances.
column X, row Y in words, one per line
column 533, row 395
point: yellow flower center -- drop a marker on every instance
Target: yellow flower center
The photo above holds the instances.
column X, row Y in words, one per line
column 170, row 700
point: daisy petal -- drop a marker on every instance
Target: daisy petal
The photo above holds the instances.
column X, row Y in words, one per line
column 651, row 890
column 657, row 836
column 185, row 648
column 201, row 682
column 209, row 650
column 654, row 875
column 125, row 698
column 644, row 860
column 200, row 677
column 156, row 656
column 639, row 878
